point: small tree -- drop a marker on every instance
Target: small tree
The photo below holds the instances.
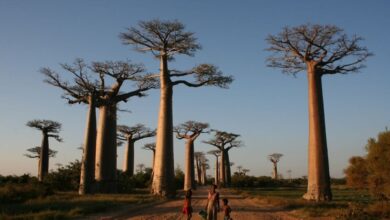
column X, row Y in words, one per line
column 320, row 50
column 165, row 39
column 131, row 135
column 190, row 131
column 49, row 129
column 275, row 158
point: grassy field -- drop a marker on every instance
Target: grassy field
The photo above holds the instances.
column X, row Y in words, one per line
column 346, row 204
column 71, row 205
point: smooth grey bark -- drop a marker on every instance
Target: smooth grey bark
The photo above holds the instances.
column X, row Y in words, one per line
column 318, row 187
column 44, row 157
column 87, row 176
column 163, row 176
column 106, row 150
column 189, row 174
column 128, row 162
column 216, row 171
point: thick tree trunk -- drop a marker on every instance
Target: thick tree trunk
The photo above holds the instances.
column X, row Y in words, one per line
column 318, row 187
column 89, row 151
column 204, row 175
column 128, row 163
column 163, row 177
column 105, row 169
column 275, row 171
column 228, row 169
column 189, row 166
column 44, row 157
column 216, row 172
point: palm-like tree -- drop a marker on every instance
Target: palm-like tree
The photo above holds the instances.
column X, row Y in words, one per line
column 49, row 129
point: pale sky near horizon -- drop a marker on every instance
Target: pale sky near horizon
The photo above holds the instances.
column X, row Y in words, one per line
column 268, row 108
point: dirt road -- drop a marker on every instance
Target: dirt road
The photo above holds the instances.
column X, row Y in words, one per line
column 243, row 208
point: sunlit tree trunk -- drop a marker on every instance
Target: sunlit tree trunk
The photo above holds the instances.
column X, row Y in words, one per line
column 163, row 177
column 105, row 169
column 89, row 151
column 189, row 173
column 128, row 163
column 44, row 157
column 318, row 187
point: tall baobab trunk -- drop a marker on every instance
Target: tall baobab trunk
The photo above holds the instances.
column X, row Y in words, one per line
column 163, row 177
column 105, row 169
column 275, row 170
column 189, row 166
column 128, row 163
column 223, row 168
column 204, row 174
column 318, row 187
column 44, row 157
column 89, row 151
column 198, row 171
column 228, row 170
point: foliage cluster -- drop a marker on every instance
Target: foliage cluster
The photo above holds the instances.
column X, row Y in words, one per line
column 372, row 171
column 264, row 181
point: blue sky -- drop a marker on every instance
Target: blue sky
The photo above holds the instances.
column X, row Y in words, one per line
column 268, row 108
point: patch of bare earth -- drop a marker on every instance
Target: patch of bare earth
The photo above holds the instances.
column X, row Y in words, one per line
column 243, row 209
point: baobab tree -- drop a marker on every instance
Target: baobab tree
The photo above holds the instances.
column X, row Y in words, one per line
column 190, row 131
column 217, row 154
column 244, row 171
column 49, row 129
column 165, row 39
column 82, row 90
column 35, row 152
column 275, row 158
column 131, row 135
column 100, row 147
column 151, row 147
column 224, row 141
column 320, row 50
column 140, row 168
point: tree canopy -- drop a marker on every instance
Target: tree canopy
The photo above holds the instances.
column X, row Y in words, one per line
column 326, row 45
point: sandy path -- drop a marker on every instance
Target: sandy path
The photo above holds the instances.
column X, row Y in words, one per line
column 243, row 208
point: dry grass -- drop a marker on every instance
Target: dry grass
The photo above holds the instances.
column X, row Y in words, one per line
column 346, row 204
column 71, row 205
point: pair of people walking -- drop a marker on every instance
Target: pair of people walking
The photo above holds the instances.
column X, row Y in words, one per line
column 212, row 207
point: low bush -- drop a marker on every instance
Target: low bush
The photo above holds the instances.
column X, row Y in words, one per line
column 17, row 193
